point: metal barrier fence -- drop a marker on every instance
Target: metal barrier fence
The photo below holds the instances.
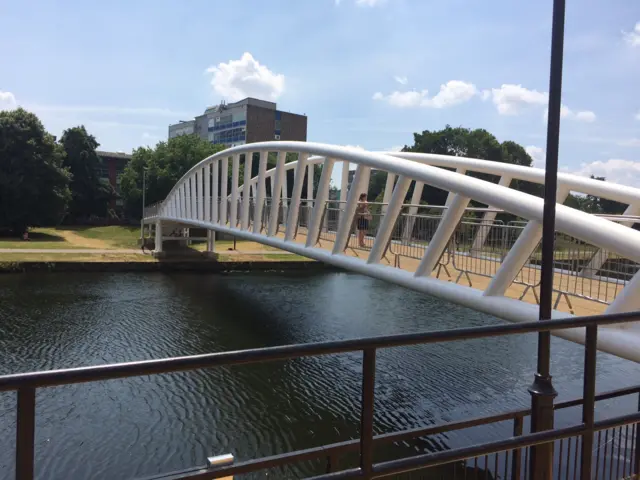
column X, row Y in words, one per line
column 476, row 248
column 509, row 457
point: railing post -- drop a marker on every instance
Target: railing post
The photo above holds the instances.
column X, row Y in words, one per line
column 366, row 416
column 589, row 400
column 516, row 454
column 25, row 433
column 636, row 454
column 542, row 391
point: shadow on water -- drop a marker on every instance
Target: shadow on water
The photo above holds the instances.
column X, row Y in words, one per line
column 148, row 425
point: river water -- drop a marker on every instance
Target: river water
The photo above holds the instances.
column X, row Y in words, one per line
column 144, row 426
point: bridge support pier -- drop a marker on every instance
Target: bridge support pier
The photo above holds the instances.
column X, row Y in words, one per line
column 211, row 242
column 158, row 252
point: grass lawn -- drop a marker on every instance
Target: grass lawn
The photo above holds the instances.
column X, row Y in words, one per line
column 8, row 258
column 39, row 238
column 74, row 257
column 113, row 236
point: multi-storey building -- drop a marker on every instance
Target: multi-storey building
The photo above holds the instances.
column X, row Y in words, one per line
column 247, row 121
column 113, row 164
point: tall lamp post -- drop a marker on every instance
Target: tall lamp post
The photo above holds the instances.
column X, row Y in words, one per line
column 542, row 390
column 144, row 201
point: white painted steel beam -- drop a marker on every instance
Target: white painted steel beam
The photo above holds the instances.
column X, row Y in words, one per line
column 184, row 205
column 233, row 206
column 385, row 230
column 346, row 220
column 601, row 256
column 438, row 243
column 276, row 194
column 294, row 206
column 450, row 195
column 388, row 190
column 487, row 220
column 623, row 343
column 411, row 218
column 215, row 197
column 246, row 192
column 262, row 194
column 320, row 202
column 207, row 192
column 519, row 254
column 224, row 175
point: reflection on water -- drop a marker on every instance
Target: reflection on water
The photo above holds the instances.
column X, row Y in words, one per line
column 142, row 426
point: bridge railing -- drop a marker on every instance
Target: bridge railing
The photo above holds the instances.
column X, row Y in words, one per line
column 192, row 201
column 477, row 246
column 588, row 447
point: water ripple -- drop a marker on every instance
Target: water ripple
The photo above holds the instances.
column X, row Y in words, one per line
column 147, row 425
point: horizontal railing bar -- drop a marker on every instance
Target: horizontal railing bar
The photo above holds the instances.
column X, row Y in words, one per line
column 416, row 462
column 621, row 392
column 351, row 473
column 178, row 364
column 340, row 448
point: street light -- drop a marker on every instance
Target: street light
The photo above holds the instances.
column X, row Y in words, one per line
column 144, row 201
column 144, row 189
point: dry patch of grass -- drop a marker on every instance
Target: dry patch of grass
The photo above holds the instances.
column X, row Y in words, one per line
column 74, row 257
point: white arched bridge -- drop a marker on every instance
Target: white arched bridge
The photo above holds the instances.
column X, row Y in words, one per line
column 481, row 249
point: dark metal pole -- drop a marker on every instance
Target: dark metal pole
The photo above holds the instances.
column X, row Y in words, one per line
column 25, row 433
column 516, row 453
column 636, row 454
column 366, row 417
column 589, row 396
column 542, row 391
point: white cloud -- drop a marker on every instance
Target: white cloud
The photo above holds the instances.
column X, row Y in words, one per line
column 395, row 148
column 633, row 38
column 451, row 93
column 7, row 101
column 586, row 116
column 624, row 172
column 246, row 77
column 510, row 99
column 638, row 116
column 401, row 80
column 403, row 99
column 537, row 154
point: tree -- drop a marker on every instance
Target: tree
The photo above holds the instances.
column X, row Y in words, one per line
column 34, row 185
column 464, row 142
column 165, row 164
column 89, row 194
column 599, row 205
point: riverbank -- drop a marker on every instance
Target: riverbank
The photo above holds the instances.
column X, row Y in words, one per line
column 165, row 266
column 115, row 249
column 63, row 261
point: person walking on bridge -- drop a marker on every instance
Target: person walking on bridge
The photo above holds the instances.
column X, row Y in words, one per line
column 363, row 216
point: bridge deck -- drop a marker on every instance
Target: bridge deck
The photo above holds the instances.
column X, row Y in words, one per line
column 578, row 305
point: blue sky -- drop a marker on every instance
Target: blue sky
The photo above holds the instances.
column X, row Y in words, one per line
column 367, row 73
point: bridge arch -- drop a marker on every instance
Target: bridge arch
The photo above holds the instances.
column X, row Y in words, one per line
column 201, row 199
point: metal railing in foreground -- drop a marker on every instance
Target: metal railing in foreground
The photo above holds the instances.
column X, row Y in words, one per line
column 512, row 448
